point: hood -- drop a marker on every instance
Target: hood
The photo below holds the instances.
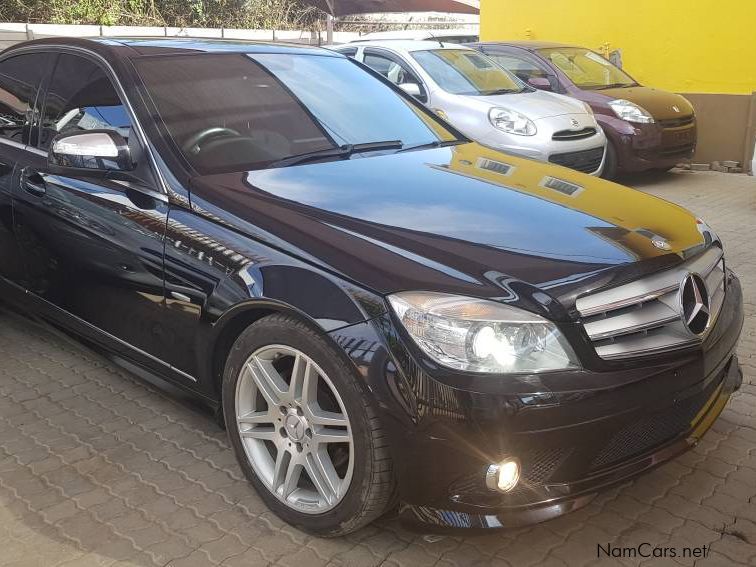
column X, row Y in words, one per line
column 463, row 219
column 661, row 104
column 535, row 105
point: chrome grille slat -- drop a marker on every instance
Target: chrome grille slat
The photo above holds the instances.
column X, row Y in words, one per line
column 644, row 316
column 634, row 321
column 620, row 304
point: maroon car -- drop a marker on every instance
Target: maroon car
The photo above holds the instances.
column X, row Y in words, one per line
column 646, row 128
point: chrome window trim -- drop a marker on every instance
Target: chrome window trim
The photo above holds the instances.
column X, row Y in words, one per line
column 13, row 144
column 58, row 48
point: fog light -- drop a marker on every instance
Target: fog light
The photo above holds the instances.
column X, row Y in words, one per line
column 503, row 476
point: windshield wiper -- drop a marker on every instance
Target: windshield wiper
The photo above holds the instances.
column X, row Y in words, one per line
column 501, row 91
column 433, row 144
column 339, row 152
column 614, row 86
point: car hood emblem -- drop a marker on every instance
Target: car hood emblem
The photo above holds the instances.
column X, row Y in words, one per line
column 661, row 244
column 575, row 123
column 694, row 300
column 676, row 108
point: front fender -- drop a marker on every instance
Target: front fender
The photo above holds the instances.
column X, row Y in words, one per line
column 217, row 279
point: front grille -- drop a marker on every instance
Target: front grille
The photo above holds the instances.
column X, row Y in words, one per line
column 538, row 468
column 677, row 122
column 586, row 161
column 571, row 135
column 682, row 150
column 653, row 430
column 644, row 316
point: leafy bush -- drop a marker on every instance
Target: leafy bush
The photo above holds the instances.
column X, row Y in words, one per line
column 255, row 14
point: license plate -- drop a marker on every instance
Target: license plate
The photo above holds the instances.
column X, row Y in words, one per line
column 681, row 137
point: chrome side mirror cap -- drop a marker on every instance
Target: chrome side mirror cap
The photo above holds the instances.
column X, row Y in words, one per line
column 412, row 89
column 92, row 150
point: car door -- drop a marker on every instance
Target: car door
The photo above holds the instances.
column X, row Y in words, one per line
column 20, row 78
column 395, row 70
column 93, row 244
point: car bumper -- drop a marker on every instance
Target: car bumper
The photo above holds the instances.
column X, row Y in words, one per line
column 572, row 442
column 586, row 155
column 557, row 499
column 641, row 147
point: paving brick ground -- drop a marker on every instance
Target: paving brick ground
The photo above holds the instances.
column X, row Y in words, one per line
column 98, row 468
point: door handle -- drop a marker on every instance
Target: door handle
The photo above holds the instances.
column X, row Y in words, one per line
column 33, row 182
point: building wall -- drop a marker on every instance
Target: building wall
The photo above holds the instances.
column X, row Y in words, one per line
column 705, row 48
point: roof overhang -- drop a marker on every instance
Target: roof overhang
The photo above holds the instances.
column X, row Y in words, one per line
column 350, row 7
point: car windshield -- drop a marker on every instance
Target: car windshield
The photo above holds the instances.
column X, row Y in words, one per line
column 467, row 72
column 588, row 70
column 236, row 112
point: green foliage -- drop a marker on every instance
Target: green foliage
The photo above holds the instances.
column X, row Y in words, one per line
column 256, row 14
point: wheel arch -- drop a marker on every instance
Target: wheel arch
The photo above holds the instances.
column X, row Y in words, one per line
column 233, row 323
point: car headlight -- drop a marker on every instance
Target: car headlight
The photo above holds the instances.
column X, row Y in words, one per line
column 631, row 112
column 512, row 122
column 477, row 335
column 588, row 109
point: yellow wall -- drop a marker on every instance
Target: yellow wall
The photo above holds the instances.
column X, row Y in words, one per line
column 693, row 46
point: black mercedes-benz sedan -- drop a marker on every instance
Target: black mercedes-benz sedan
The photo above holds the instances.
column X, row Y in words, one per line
column 383, row 313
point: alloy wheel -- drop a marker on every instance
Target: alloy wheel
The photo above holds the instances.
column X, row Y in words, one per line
column 295, row 429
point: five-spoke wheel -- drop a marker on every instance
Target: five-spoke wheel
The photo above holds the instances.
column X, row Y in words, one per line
column 305, row 428
column 295, row 428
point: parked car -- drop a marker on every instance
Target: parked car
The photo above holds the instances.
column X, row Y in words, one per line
column 445, row 35
column 647, row 128
column 379, row 310
column 487, row 103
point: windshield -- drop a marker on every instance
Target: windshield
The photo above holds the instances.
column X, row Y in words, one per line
column 237, row 112
column 467, row 72
column 588, row 70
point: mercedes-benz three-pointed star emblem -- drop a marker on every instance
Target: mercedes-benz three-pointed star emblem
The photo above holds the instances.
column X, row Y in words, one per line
column 694, row 298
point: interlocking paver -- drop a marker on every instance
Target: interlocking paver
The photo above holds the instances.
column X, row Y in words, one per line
column 100, row 468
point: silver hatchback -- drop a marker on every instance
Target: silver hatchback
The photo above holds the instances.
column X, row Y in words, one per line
column 487, row 103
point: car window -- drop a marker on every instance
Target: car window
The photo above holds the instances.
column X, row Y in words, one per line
column 456, row 38
column 236, row 112
column 81, row 97
column 467, row 72
column 519, row 66
column 588, row 70
column 524, row 68
column 348, row 51
column 20, row 77
column 391, row 69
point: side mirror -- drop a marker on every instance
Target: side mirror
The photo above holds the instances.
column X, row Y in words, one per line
column 540, row 83
column 93, row 150
column 412, row 89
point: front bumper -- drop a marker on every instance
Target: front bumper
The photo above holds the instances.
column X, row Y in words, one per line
column 580, row 153
column 641, row 147
column 557, row 499
column 575, row 433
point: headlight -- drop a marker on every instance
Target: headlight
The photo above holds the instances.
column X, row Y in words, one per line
column 512, row 122
column 588, row 109
column 481, row 336
column 631, row 112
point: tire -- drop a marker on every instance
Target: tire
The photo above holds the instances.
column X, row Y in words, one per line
column 610, row 162
column 276, row 342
